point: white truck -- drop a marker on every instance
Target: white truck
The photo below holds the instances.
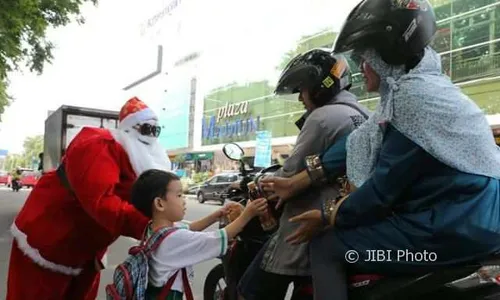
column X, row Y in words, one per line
column 62, row 125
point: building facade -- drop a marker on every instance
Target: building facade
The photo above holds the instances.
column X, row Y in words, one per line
column 198, row 118
column 468, row 41
column 234, row 113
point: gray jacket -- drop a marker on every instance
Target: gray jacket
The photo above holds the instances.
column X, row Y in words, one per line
column 321, row 129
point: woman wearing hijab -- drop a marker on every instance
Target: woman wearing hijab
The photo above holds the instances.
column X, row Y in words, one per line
column 425, row 165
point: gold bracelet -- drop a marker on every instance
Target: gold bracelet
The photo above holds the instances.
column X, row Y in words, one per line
column 333, row 216
column 315, row 169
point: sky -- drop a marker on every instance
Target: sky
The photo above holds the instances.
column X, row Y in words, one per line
column 239, row 41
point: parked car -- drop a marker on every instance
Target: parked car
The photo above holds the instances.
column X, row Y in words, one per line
column 29, row 178
column 4, row 178
column 216, row 187
column 193, row 190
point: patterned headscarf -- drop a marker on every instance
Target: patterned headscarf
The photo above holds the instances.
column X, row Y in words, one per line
column 427, row 108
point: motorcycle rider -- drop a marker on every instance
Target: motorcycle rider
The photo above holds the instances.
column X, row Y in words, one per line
column 322, row 80
column 40, row 163
column 16, row 177
column 425, row 165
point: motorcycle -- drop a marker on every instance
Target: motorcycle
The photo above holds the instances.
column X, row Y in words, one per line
column 247, row 244
column 16, row 185
column 237, row 190
column 472, row 281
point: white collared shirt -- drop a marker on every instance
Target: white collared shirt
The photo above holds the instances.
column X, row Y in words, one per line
column 183, row 249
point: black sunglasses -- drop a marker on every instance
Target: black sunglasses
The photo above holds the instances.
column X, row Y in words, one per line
column 148, row 129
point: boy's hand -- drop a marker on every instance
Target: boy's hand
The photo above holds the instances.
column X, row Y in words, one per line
column 256, row 207
column 231, row 211
column 223, row 211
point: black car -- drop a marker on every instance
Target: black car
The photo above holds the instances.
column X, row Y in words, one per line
column 216, row 187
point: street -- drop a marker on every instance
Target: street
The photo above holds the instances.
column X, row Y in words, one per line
column 11, row 202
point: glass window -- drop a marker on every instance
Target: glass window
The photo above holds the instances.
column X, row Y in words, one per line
column 441, row 42
column 445, row 64
column 463, row 6
column 466, row 32
column 496, row 23
column 474, row 63
column 226, row 178
column 442, row 11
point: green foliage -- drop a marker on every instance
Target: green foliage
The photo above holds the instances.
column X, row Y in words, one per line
column 4, row 97
column 200, row 177
column 186, row 182
column 32, row 147
column 180, row 158
column 12, row 161
column 23, row 26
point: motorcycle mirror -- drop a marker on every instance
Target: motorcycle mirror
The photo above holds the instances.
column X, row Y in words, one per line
column 233, row 151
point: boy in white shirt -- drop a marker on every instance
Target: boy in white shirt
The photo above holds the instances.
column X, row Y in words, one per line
column 158, row 195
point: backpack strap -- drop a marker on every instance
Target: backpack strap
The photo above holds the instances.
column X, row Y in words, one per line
column 152, row 244
column 148, row 245
column 167, row 287
column 157, row 238
column 61, row 173
column 187, row 287
column 145, row 234
column 351, row 105
column 185, row 283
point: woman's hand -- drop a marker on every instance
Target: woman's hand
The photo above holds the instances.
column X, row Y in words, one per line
column 256, row 207
column 280, row 188
column 310, row 225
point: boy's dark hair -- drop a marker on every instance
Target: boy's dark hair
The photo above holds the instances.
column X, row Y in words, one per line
column 149, row 185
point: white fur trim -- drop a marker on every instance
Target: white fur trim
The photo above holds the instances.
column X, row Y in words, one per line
column 34, row 254
column 138, row 117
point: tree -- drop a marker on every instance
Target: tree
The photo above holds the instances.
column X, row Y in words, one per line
column 23, row 26
column 32, row 147
column 12, row 161
column 179, row 158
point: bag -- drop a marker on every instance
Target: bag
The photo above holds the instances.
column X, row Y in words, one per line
column 130, row 280
column 300, row 122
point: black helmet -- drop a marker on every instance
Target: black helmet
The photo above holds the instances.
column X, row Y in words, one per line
column 323, row 73
column 398, row 30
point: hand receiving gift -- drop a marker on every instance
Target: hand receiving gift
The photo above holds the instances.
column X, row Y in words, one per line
column 233, row 211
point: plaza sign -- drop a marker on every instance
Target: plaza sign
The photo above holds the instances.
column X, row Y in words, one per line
column 223, row 125
column 239, row 127
column 231, row 110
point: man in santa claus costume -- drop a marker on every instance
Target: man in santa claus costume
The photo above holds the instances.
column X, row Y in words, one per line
column 73, row 214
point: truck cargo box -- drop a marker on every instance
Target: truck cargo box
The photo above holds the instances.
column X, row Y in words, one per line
column 62, row 125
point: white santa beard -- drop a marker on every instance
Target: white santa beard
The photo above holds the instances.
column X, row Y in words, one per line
column 142, row 157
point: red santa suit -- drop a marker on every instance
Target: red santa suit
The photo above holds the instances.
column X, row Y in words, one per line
column 58, row 237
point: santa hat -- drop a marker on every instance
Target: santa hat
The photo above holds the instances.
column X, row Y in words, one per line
column 134, row 112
